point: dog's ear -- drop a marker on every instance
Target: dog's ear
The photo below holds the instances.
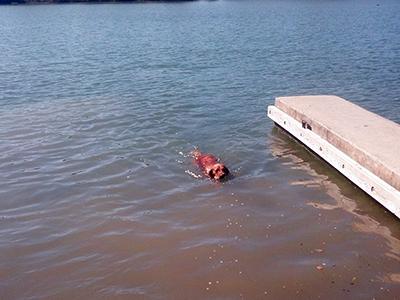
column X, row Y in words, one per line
column 226, row 171
column 211, row 173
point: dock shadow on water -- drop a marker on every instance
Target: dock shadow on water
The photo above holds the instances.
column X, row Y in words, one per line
column 365, row 215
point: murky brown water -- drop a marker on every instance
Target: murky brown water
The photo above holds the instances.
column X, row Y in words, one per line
column 81, row 219
column 100, row 106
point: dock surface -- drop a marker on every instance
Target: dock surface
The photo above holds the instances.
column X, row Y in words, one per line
column 368, row 139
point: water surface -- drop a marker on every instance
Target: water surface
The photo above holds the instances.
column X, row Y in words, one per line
column 100, row 106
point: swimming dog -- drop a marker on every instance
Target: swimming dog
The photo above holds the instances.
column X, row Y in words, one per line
column 210, row 165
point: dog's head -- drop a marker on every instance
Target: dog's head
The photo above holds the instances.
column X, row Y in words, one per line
column 218, row 171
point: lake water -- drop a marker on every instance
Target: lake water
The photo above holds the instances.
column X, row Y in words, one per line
column 100, row 106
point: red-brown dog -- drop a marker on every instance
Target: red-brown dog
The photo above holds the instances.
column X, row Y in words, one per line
column 210, row 165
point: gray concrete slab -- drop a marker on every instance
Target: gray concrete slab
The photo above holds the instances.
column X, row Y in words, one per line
column 369, row 139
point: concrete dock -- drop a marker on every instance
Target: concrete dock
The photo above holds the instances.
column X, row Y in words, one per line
column 363, row 146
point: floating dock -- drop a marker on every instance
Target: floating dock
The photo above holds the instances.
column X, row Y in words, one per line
column 361, row 145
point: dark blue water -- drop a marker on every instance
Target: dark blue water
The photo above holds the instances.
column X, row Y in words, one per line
column 100, row 106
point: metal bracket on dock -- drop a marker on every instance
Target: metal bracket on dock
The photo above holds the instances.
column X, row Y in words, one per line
column 305, row 125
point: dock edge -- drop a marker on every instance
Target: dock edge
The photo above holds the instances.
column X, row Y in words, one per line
column 374, row 186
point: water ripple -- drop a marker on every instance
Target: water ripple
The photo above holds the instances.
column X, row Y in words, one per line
column 98, row 194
